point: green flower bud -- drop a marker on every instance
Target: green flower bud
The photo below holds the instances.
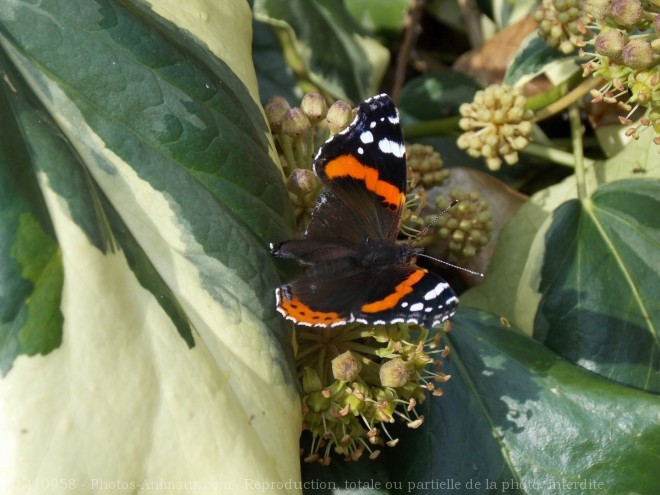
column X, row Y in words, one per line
column 302, row 182
column 317, row 401
column 395, row 373
column 314, row 106
column 598, row 9
column 340, row 114
column 356, row 399
column 426, row 165
column 638, row 54
column 610, row 43
column 295, row 122
column 346, row 367
column 626, row 13
column 275, row 110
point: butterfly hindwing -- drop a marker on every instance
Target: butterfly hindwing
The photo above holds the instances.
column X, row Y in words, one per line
column 394, row 294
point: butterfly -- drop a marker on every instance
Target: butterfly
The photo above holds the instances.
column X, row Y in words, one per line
column 356, row 269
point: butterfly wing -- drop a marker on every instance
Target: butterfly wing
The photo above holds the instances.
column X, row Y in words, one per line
column 407, row 294
column 392, row 294
column 364, row 170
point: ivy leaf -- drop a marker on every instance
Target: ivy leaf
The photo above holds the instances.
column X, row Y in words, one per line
column 510, row 286
column 535, row 57
column 327, row 41
column 516, row 418
column 274, row 76
column 600, row 280
column 379, row 17
column 437, row 95
column 137, row 198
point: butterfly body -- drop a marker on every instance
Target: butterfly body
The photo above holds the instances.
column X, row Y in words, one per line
column 356, row 269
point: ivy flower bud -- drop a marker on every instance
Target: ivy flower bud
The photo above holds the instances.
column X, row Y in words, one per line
column 638, row 54
column 395, row 373
column 275, row 110
column 295, row 122
column 610, row 43
column 346, row 367
column 339, row 116
column 626, row 13
column 314, row 106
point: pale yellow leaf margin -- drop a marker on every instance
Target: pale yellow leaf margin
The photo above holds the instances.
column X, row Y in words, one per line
column 123, row 405
column 225, row 28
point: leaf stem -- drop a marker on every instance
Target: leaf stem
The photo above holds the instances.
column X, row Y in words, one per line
column 578, row 150
column 568, row 99
column 287, row 151
column 410, row 36
column 447, row 125
column 555, row 155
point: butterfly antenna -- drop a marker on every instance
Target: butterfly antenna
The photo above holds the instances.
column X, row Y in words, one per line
column 471, row 272
column 425, row 231
column 422, row 233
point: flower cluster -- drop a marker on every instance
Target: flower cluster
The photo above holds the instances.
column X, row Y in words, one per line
column 627, row 56
column 293, row 128
column 562, row 24
column 468, row 225
column 357, row 380
column 298, row 132
column 497, row 125
column 426, row 166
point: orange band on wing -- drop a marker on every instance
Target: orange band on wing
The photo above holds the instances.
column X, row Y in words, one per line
column 301, row 313
column 349, row 166
column 400, row 291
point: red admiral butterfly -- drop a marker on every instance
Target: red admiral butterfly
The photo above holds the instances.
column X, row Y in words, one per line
column 357, row 271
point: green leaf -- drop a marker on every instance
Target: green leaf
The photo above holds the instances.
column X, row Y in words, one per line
column 534, row 57
column 327, row 39
column 377, row 16
column 137, row 198
column 506, row 12
column 516, row 418
column 600, row 282
column 510, row 286
column 437, row 95
column 273, row 75
column 364, row 477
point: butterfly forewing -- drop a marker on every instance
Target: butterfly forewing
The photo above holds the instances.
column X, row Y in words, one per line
column 364, row 169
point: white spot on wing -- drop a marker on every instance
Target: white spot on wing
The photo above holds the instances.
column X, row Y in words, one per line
column 360, row 150
column 366, row 137
column 394, row 120
column 432, row 294
column 417, row 307
column 387, row 146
